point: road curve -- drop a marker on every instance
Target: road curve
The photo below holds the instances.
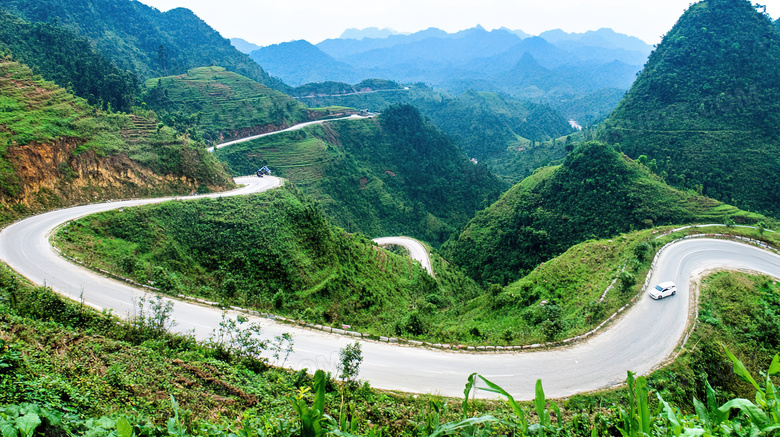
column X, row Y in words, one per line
column 644, row 337
column 417, row 251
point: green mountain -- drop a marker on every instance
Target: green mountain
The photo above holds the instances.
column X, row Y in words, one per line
column 596, row 193
column 142, row 39
column 393, row 175
column 221, row 105
column 706, row 106
column 57, row 150
column 68, row 60
column 494, row 129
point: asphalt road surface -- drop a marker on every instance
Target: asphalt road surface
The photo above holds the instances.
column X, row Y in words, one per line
column 417, row 251
column 640, row 340
column 289, row 129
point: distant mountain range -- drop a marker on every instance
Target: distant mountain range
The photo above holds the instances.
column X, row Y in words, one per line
column 369, row 32
column 244, row 46
column 554, row 67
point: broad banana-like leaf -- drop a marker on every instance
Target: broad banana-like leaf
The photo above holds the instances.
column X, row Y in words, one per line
column 540, row 402
column 740, row 370
column 757, row 417
column 702, row 412
column 123, row 427
column 674, row 421
column 467, row 392
column 7, row 428
column 494, row 388
column 27, row 424
column 774, row 368
column 449, row 428
column 319, row 391
column 643, row 408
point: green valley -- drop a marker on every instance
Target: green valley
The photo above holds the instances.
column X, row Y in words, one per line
column 249, row 313
column 395, row 175
column 496, row 130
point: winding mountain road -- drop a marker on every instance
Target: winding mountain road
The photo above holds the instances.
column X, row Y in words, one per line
column 645, row 336
column 295, row 127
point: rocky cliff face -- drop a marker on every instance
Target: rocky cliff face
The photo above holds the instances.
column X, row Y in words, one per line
column 51, row 176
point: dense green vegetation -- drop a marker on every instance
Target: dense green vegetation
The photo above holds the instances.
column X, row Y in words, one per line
column 70, row 365
column 38, row 112
column 220, row 105
column 68, row 60
column 393, row 175
column 63, row 366
column 141, row 39
column 736, row 310
column 498, row 131
column 274, row 251
column 705, row 106
column 596, row 193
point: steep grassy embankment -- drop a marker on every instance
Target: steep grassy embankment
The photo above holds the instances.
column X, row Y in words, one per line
column 596, row 193
column 395, row 175
column 57, row 150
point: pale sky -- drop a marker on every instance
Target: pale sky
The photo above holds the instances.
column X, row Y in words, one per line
column 266, row 22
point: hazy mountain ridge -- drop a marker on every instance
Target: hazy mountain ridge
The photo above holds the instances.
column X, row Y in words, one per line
column 300, row 62
column 497, row 60
column 243, row 45
column 368, row 32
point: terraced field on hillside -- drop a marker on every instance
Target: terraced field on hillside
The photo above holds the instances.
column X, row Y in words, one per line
column 297, row 156
column 224, row 105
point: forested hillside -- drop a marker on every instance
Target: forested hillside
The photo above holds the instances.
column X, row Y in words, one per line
column 141, row 39
column 68, row 60
column 396, row 175
column 596, row 193
column 494, row 129
column 705, row 107
column 220, row 105
column 57, row 150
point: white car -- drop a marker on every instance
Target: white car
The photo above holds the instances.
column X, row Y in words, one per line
column 663, row 289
